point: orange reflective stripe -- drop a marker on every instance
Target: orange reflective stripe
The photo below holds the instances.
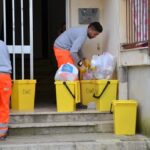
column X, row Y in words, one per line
column 63, row 56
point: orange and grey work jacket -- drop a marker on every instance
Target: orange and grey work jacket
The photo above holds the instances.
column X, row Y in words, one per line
column 72, row 41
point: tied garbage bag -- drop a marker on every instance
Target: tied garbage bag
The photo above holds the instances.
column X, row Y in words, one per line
column 104, row 65
column 88, row 75
column 67, row 72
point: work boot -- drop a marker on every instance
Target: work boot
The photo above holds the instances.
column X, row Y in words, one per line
column 3, row 137
column 80, row 106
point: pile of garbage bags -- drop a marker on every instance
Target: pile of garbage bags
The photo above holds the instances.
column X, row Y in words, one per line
column 101, row 67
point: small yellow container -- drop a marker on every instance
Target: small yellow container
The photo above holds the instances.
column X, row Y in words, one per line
column 67, row 95
column 23, row 95
column 105, row 92
column 124, row 116
column 87, row 91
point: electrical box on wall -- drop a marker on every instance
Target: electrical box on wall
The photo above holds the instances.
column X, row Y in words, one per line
column 88, row 15
column 134, row 57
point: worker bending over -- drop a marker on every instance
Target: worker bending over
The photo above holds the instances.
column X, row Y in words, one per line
column 70, row 42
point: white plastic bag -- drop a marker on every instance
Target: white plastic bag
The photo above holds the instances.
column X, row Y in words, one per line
column 88, row 75
column 67, row 72
column 104, row 65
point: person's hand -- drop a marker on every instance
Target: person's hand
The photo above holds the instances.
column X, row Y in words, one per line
column 82, row 69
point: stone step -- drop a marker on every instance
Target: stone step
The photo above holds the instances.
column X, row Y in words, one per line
column 80, row 141
column 48, row 117
column 61, row 128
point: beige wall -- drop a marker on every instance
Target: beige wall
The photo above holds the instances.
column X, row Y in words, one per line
column 122, row 18
column 91, row 46
column 109, row 18
column 111, row 37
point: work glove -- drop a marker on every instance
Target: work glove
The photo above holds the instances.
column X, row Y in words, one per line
column 87, row 63
column 82, row 69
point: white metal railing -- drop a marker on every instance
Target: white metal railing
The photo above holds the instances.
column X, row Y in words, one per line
column 20, row 49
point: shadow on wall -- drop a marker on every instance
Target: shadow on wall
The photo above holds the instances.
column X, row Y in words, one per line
column 106, row 40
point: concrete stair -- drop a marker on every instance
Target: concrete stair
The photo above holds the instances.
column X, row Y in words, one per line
column 76, row 141
column 80, row 130
column 60, row 123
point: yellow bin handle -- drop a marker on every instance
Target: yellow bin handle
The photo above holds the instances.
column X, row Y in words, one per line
column 65, row 84
column 108, row 82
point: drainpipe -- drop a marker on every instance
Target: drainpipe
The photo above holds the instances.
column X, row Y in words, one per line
column 123, row 83
column 68, row 6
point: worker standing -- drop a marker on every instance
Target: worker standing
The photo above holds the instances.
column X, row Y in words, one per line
column 70, row 42
column 5, row 89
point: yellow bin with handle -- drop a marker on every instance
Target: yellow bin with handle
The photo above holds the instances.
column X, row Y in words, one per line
column 67, row 95
column 105, row 92
column 23, row 95
column 87, row 91
column 124, row 112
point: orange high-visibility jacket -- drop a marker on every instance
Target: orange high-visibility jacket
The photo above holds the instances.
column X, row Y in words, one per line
column 63, row 56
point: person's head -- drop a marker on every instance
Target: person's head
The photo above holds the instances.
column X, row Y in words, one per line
column 94, row 29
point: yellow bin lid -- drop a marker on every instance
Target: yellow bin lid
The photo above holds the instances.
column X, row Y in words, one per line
column 105, row 81
column 68, row 82
column 119, row 102
column 87, row 81
column 24, row 81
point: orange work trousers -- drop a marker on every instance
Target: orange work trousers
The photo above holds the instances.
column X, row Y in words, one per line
column 5, row 92
column 63, row 56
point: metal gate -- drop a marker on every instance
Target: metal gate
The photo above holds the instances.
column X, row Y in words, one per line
column 21, row 11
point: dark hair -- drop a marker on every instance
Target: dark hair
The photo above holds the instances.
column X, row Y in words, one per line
column 96, row 26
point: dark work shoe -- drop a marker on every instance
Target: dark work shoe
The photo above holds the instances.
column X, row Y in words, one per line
column 3, row 137
column 80, row 106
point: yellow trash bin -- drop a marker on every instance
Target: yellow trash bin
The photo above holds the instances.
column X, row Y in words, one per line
column 124, row 117
column 67, row 95
column 23, row 95
column 87, row 91
column 105, row 92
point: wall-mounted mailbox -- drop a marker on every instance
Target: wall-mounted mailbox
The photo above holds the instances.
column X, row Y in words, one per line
column 88, row 15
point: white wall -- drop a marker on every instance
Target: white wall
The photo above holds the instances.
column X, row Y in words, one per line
column 91, row 46
column 109, row 18
column 111, row 37
column 139, row 89
column 122, row 21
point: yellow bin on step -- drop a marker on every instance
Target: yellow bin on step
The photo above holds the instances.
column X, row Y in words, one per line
column 67, row 95
column 23, row 95
column 125, row 112
column 87, row 91
column 105, row 92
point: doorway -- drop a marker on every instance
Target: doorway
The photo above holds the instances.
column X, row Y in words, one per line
column 48, row 17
